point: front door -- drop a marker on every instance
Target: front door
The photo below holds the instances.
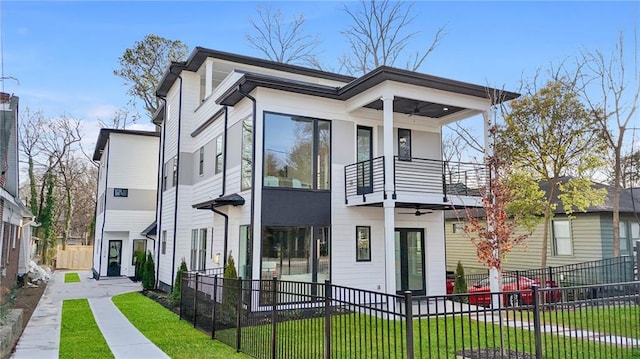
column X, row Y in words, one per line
column 364, row 159
column 409, row 246
column 115, row 258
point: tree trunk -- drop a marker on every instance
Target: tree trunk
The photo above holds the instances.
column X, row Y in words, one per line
column 68, row 214
column 616, row 200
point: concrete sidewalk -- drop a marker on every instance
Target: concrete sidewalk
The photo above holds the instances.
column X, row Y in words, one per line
column 41, row 337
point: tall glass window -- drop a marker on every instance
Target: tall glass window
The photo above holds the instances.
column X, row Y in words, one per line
column 219, row 155
column 404, row 144
column 297, row 152
column 247, row 155
column 563, row 245
column 201, row 162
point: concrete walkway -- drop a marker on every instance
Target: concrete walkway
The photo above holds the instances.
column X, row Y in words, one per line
column 41, row 337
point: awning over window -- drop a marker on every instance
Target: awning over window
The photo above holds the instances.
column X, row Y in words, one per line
column 229, row 200
column 151, row 230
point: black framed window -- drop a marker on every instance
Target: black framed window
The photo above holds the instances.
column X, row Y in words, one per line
column 175, row 170
column 163, row 243
column 297, row 152
column 139, row 246
column 247, row 154
column 404, row 144
column 121, row 192
column 219, row 155
column 363, row 244
column 201, row 162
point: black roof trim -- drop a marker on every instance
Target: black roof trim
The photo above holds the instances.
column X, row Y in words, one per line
column 211, row 120
column 250, row 81
column 228, row 200
column 200, row 54
column 104, row 136
column 151, row 229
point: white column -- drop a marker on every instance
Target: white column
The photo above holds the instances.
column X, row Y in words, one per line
column 389, row 204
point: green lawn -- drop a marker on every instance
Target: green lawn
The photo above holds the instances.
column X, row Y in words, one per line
column 164, row 328
column 615, row 320
column 80, row 336
column 71, row 278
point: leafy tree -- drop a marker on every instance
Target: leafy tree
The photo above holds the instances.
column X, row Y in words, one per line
column 460, row 284
column 549, row 136
column 283, row 41
column 142, row 66
column 380, row 35
column 176, row 290
column 47, row 220
column 149, row 275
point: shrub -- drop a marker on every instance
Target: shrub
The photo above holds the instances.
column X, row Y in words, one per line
column 460, row 284
column 230, row 286
column 141, row 258
column 175, row 291
column 148, row 274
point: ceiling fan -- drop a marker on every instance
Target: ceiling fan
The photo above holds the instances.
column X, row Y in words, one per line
column 417, row 213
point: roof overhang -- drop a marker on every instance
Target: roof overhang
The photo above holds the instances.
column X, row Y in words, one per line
column 151, row 230
column 228, row 200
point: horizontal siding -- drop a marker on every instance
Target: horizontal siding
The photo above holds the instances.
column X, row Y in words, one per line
column 133, row 161
column 586, row 247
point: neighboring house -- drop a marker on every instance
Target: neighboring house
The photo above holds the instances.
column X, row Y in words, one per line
column 126, row 199
column 11, row 208
column 584, row 236
column 310, row 175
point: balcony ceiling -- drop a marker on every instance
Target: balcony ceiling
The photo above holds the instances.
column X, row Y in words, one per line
column 417, row 108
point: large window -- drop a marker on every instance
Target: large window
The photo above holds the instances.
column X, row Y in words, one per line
column 562, row 243
column 247, row 154
column 297, row 152
column 219, row 155
column 198, row 249
column 635, row 233
column 624, row 240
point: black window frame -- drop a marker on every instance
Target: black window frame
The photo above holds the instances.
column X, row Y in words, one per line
column 201, row 161
column 407, row 134
column 121, row 192
column 359, row 242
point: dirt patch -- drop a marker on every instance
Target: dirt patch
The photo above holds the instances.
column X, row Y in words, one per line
column 27, row 299
column 163, row 298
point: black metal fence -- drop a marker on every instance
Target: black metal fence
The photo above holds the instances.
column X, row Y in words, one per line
column 604, row 271
column 281, row 319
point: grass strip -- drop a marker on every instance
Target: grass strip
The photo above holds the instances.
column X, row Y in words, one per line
column 176, row 338
column 80, row 336
column 71, row 278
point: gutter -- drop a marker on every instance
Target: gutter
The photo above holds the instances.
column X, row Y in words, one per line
column 253, row 170
column 104, row 210
column 224, row 166
column 226, row 235
column 160, row 195
column 175, row 204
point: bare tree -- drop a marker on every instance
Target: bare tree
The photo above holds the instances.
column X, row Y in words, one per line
column 610, row 87
column 121, row 118
column 31, row 127
column 380, row 35
column 284, row 41
column 142, row 66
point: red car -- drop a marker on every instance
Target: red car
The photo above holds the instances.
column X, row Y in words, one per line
column 480, row 291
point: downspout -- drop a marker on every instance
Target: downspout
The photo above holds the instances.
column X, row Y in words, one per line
column 104, row 208
column 160, row 194
column 253, row 167
column 224, row 160
column 226, row 235
column 175, row 204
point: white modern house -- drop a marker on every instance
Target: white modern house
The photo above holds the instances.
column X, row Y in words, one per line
column 310, row 175
column 126, row 199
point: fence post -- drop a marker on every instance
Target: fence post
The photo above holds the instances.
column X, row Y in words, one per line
column 408, row 304
column 239, row 312
column 213, row 307
column 195, row 302
column 274, row 315
column 536, row 321
column 550, row 276
column 518, row 279
column 327, row 319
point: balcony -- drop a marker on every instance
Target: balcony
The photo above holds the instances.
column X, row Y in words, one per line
column 418, row 181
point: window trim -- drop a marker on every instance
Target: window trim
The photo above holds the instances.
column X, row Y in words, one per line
column 360, row 242
column 555, row 239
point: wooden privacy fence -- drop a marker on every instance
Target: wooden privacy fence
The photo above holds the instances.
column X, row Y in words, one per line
column 74, row 257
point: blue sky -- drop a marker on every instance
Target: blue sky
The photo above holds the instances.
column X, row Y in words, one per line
column 64, row 53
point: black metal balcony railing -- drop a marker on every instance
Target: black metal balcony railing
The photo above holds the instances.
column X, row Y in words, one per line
column 415, row 176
